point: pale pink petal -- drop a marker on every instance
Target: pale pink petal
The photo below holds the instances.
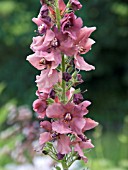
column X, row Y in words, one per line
column 46, row 125
column 34, row 59
column 63, row 144
column 44, row 137
column 44, row 81
column 60, row 127
column 55, row 111
column 50, row 35
column 83, row 106
column 77, row 125
column 86, row 145
column 39, row 106
column 90, row 124
column 37, row 43
column 82, row 65
column 84, row 33
column 37, row 21
column 78, row 149
column 69, row 93
column 69, row 107
column 88, row 44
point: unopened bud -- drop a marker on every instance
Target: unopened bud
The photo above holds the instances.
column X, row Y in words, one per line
column 66, row 76
column 60, row 156
column 52, row 94
column 77, row 98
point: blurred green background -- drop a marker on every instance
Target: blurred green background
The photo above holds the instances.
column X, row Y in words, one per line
column 107, row 85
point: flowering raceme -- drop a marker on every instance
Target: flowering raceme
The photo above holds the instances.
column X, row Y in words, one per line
column 58, row 48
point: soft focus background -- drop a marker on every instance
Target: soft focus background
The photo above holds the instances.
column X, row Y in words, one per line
column 107, row 85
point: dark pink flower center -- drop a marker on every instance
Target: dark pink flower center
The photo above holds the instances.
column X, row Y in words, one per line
column 84, row 138
column 54, row 135
column 55, row 43
column 44, row 62
column 81, row 50
column 42, row 29
column 68, row 117
column 68, row 24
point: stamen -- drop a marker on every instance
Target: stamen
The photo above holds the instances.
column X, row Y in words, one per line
column 54, row 135
column 42, row 29
column 68, row 117
column 81, row 50
column 42, row 62
column 55, row 43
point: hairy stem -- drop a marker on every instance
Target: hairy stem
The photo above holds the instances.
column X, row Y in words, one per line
column 58, row 16
column 63, row 82
column 64, row 165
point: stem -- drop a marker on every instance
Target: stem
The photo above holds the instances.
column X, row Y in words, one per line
column 58, row 16
column 65, row 167
column 63, row 82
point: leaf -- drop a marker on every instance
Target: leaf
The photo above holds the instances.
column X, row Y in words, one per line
column 58, row 168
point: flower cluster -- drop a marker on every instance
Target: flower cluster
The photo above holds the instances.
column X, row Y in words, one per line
column 58, row 47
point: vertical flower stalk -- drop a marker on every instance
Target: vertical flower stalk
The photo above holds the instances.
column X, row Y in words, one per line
column 58, row 48
column 63, row 81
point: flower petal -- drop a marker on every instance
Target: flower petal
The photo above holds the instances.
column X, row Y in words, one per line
column 46, row 125
column 90, row 124
column 86, row 145
column 77, row 125
column 83, row 106
column 78, row 149
column 63, row 144
column 82, row 65
column 60, row 127
column 39, row 106
column 44, row 81
column 44, row 137
column 55, row 111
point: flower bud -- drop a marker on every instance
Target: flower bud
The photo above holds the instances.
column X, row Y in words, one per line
column 75, row 5
column 44, row 11
column 60, row 156
column 52, row 94
column 79, row 77
column 74, row 74
column 66, row 76
column 77, row 98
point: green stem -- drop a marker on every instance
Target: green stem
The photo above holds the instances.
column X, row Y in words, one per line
column 58, row 16
column 63, row 82
column 65, row 167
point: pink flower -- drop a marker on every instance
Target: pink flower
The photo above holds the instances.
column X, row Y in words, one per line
column 63, row 141
column 83, row 43
column 83, row 106
column 81, row 64
column 75, row 5
column 46, row 80
column 66, row 43
column 43, row 21
column 40, row 106
column 69, row 117
column 79, row 145
column 42, row 60
column 43, row 43
column 90, row 124
column 71, row 25
column 42, row 96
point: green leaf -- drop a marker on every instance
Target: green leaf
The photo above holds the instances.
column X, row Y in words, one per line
column 58, row 168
